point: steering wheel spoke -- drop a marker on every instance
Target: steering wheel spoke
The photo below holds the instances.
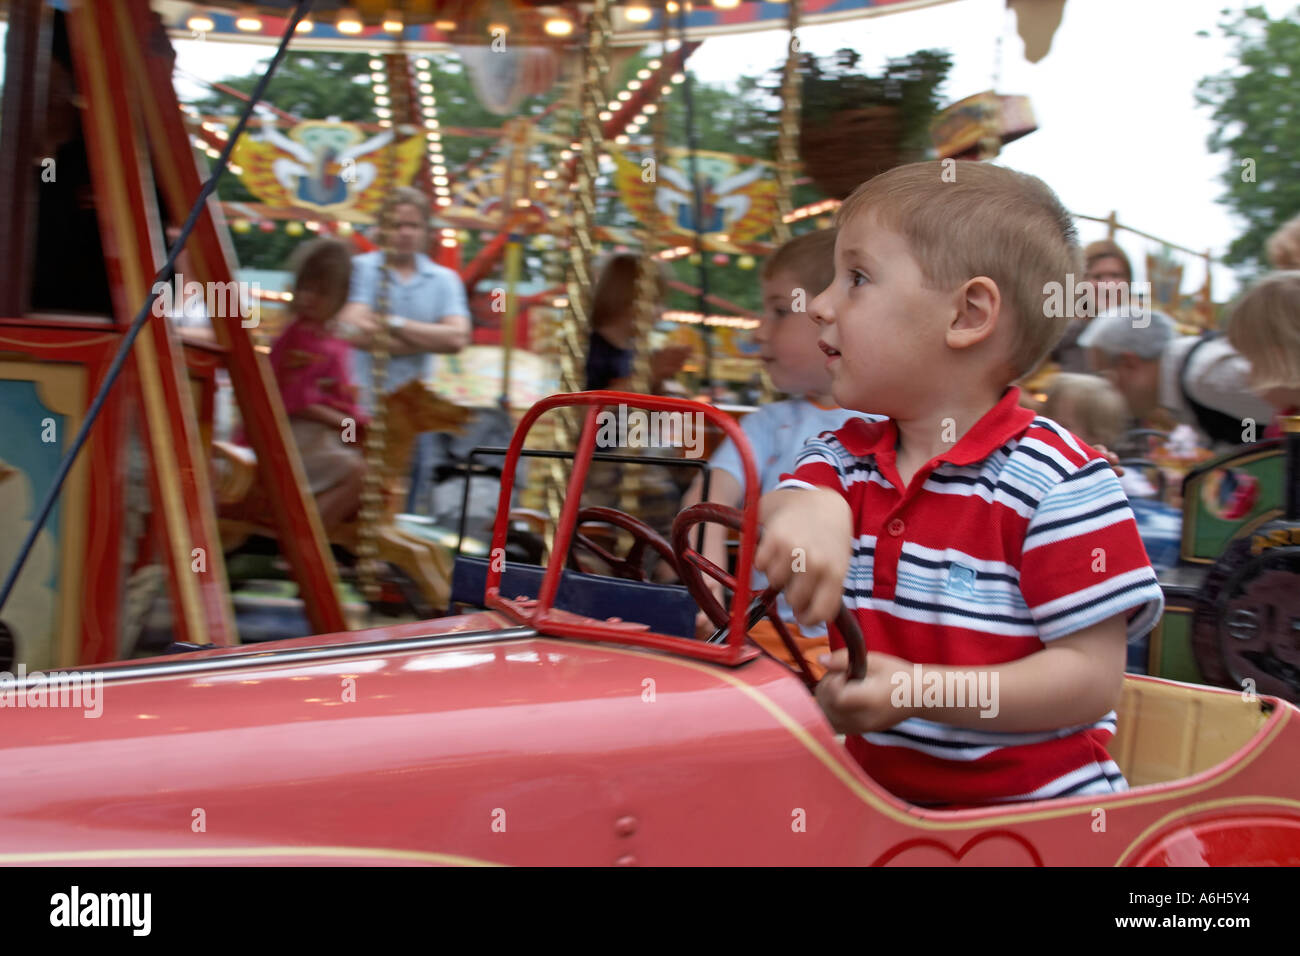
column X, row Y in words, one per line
column 632, row 566
column 694, row 567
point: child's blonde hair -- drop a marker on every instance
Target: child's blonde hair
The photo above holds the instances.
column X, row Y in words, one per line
column 973, row 219
column 1284, row 245
column 809, row 258
column 1265, row 328
column 1089, row 406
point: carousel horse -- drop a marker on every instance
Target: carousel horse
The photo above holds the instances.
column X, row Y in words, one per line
column 406, row 412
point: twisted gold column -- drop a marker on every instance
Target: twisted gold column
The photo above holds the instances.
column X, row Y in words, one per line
column 565, row 338
column 787, row 155
column 373, row 508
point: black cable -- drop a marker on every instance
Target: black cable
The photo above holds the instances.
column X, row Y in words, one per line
column 164, row 277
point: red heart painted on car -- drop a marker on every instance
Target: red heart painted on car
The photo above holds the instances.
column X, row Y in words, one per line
column 994, row 848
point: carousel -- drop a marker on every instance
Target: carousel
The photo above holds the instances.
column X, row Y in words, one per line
column 425, row 758
column 119, row 487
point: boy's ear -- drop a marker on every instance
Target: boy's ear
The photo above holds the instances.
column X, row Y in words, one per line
column 979, row 306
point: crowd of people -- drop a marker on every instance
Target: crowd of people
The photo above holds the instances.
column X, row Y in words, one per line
column 1113, row 374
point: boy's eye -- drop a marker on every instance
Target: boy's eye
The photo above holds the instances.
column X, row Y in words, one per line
column 780, row 313
column 857, row 278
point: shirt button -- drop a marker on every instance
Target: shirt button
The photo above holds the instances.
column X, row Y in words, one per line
column 895, row 527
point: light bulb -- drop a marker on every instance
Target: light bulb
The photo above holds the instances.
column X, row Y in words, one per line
column 348, row 22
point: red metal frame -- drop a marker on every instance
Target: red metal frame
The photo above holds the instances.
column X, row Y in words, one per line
column 541, row 613
column 22, row 129
column 297, row 522
column 132, row 239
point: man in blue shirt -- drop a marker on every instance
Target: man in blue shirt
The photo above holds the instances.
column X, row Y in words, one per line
column 427, row 310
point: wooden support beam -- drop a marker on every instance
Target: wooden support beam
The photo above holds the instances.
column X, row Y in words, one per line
column 132, row 239
column 297, row 521
column 22, row 131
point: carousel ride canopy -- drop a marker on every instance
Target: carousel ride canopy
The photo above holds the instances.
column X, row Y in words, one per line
column 427, row 25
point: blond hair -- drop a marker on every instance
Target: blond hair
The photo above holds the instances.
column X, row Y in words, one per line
column 982, row 221
column 809, row 258
column 1097, row 411
column 1265, row 328
column 1284, row 245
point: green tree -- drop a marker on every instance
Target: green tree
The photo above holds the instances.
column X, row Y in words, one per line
column 1257, row 124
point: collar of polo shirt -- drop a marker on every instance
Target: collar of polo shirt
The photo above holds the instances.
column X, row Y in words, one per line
column 1000, row 424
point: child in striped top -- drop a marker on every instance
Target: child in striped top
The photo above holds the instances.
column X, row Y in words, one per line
column 989, row 555
column 787, row 341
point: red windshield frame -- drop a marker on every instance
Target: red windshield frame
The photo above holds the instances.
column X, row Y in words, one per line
column 541, row 614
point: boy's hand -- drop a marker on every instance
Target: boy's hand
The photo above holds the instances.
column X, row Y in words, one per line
column 1112, row 459
column 865, row 706
column 805, row 550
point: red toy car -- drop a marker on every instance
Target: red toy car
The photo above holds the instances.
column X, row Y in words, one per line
column 529, row 734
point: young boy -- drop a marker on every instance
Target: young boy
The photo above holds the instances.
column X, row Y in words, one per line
column 787, row 340
column 989, row 556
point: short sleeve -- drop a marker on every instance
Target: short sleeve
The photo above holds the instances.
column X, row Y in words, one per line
column 823, row 463
column 1083, row 560
column 1222, row 382
column 361, row 286
column 452, row 301
column 759, row 430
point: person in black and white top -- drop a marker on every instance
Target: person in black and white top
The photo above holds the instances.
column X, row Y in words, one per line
column 1200, row 381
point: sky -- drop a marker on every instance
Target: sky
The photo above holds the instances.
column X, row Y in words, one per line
column 1119, row 128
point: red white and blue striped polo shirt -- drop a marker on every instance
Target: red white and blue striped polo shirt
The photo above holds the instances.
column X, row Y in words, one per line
column 1019, row 535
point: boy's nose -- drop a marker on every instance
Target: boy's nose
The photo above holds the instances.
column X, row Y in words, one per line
column 761, row 333
column 819, row 309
